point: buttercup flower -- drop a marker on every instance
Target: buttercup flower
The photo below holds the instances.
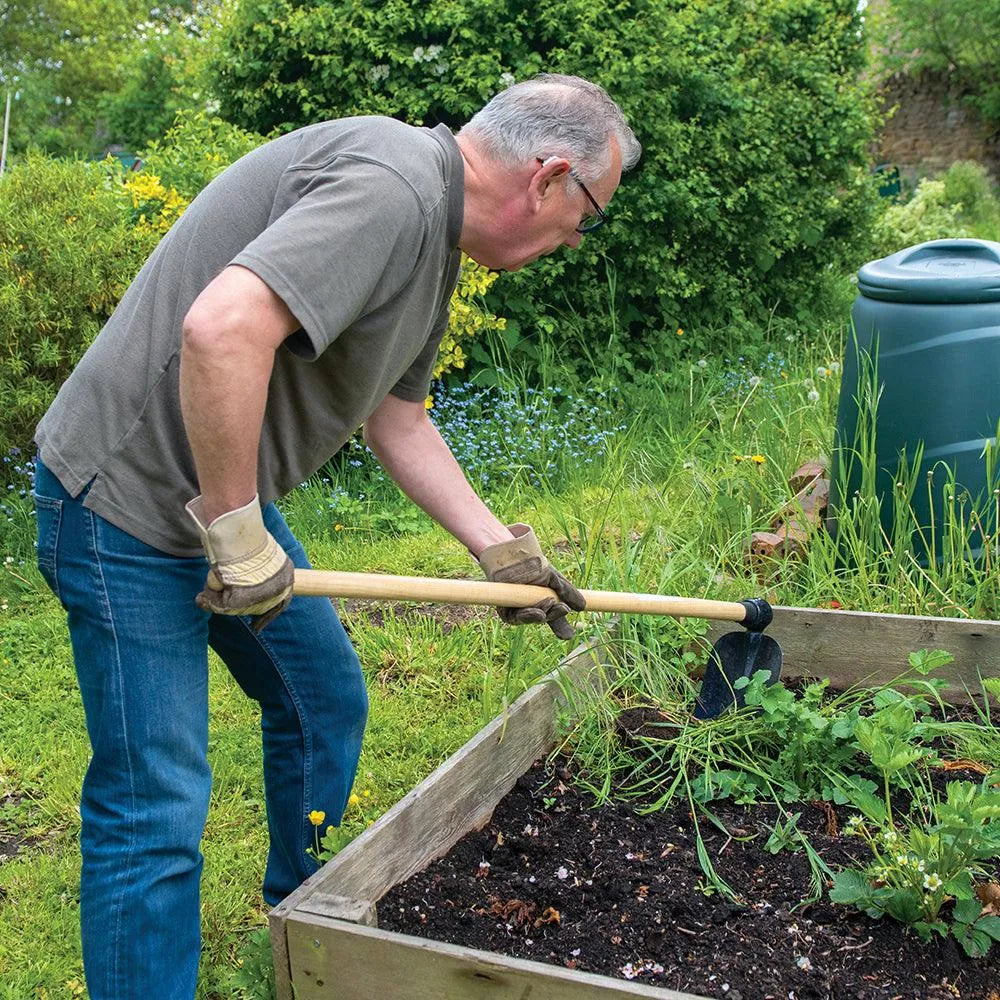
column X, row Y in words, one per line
column 316, row 817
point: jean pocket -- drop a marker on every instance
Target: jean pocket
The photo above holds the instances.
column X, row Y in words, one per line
column 48, row 514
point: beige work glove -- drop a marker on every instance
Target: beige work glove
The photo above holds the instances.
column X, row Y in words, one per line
column 520, row 560
column 250, row 573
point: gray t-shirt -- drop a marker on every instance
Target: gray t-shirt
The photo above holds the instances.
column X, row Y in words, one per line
column 355, row 225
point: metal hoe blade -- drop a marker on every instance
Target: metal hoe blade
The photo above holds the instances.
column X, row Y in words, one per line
column 735, row 655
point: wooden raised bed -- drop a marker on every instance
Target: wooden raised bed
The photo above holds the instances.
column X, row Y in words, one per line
column 324, row 936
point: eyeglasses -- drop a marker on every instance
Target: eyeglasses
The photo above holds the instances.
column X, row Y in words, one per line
column 589, row 222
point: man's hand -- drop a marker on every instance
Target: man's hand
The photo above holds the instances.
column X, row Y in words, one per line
column 250, row 573
column 520, row 560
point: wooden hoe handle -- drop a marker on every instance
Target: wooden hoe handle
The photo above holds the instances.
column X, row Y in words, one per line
column 377, row 586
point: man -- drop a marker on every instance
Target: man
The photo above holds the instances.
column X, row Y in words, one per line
column 302, row 294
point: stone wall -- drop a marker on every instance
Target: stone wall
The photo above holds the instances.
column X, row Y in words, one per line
column 932, row 127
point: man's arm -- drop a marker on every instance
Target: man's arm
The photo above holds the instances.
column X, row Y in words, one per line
column 416, row 456
column 412, row 451
column 230, row 336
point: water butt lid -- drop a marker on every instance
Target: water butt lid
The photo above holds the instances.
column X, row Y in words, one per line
column 941, row 271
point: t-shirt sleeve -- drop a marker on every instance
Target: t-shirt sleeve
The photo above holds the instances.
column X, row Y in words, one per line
column 415, row 385
column 346, row 245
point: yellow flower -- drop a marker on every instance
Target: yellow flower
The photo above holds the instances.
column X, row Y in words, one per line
column 757, row 459
column 353, row 801
column 737, row 459
column 680, row 332
column 338, row 527
column 367, row 794
column 316, row 817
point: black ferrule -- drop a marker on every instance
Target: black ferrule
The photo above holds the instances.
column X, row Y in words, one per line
column 759, row 614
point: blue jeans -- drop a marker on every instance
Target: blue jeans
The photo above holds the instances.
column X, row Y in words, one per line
column 141, row 650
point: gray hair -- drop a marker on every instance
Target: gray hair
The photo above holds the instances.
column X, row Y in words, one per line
column 555, row 115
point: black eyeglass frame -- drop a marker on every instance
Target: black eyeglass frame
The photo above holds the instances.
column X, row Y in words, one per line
column 602, row 216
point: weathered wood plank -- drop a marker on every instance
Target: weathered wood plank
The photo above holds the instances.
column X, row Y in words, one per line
column 328, row 904
column 458, row 797
column 331, row 959
column 279, row 955
column 856, row 647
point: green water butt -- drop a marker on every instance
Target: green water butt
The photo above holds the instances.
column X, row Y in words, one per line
column 921, row 386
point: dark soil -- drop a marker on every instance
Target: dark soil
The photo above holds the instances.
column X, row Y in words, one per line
column 605, row 890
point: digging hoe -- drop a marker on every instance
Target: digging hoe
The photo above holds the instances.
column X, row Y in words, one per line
column 734, row 655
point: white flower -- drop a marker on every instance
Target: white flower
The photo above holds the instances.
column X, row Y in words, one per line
column 418, row 54
column 932, row 882
column 379, row 72
column 562, row 872
column 507, row 79
column 812, row 396
column 754, row 381
column 702, row 363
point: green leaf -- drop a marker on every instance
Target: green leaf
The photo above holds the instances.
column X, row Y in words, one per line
column 904, row 905
column 861, row 793
column 926, row 661
column 850, row 886
column 989, row 925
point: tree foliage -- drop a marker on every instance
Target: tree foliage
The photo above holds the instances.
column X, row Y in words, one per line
column 85, row 73
column 959, row 36
column 751, row 190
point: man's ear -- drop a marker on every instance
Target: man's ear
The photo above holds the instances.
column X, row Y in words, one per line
column 550, row 171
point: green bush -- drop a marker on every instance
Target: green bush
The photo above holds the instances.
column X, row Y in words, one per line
column 927, row 215
column 968, row 185
column 68, row 250
column 962, row 202
column 750, row 200
column 194, row 149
